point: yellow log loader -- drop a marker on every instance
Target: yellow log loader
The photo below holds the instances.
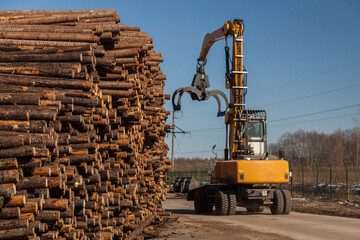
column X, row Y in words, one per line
column 248, row 177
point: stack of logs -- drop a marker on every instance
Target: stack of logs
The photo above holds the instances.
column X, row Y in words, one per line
column 82, row 126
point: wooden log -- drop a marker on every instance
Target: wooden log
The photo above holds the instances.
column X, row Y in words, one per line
column 58, row 66
column 18, row 233
column 127, row 45
column 130, row 52
column 66, row 149
column 155, row 58
column 107, row 62
column 41, row 28
column 48, row 216
column 10, row 212
column 64, row 57
column 14, row 223
column 22, row 151
column 10, row 114
column 141, row 227
column 34, row 182
column 55, row 182
column 119, row 93
column 2, row 201
column 7, row 192
column 38, row 226
column 50, row 36
column 91, row 146
column 34, row 110
column 23, row 126
column 56, row 204
column 9, row 176
column 116, row 85
column 40, row 43
column 126, row 60
column 29, row 207
column 19, row 99
column 72, row 119
column 8, row 163
column 79, row 139
column 80, row 101
column 17, row 201
column 45, row 82
column 39, row 202
column 42, row 171
column 32, row 163
column 61, row 18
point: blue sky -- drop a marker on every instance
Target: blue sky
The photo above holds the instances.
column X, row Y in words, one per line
column 302, row 58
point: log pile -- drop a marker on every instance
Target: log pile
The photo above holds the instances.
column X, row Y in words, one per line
column 82, row 126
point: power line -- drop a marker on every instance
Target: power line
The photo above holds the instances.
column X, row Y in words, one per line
column 276, row 120
column 308, row 96
column 207, row 136
column 314, row 113
column 200, row 115
column 314, row 120
column 206, row 129
column 287, row 100
column 306, row 78
column 203, row 151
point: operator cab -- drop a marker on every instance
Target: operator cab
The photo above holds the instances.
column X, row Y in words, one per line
column 254, row 132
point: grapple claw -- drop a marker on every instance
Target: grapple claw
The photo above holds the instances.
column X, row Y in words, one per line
column 198, row 91
column 199, row 95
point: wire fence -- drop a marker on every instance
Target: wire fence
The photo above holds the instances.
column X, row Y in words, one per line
column 333, row 182
column 202, row 176
column 338, row 182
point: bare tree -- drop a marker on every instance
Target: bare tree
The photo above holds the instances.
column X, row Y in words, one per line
column 313, row 148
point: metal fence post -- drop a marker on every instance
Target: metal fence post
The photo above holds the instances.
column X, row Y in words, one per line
column 330, row 181
column 347, row 182
column 317, row 180
column 291, row 181
column 302, row 180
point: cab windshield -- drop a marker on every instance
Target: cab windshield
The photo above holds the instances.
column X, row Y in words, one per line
column 255, row 129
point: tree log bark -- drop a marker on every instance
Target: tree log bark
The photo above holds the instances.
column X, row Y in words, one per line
column 18, row 233
column 13, row 223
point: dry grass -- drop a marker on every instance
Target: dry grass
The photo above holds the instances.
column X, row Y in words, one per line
column 338, row 182
column 338, row 175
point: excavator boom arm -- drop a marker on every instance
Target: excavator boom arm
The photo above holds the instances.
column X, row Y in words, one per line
column 211, row 38
column 227, row 30
column 235, row 81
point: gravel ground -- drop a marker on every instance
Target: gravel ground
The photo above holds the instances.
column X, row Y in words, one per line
column 326, row 207
column 181, row 226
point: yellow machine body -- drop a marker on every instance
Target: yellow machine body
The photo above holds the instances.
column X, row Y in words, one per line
column 251, row 172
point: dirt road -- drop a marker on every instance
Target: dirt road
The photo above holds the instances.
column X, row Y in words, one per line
column 189, row 225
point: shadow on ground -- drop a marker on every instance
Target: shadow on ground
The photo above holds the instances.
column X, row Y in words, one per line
column 192, row 212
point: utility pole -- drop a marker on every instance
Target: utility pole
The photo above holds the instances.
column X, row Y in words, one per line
column 173, row 140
